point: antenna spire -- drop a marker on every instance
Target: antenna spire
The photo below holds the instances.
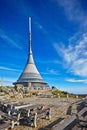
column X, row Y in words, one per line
column 30, row 76
column 30, row 54
column 30, row 36
column 29, row 24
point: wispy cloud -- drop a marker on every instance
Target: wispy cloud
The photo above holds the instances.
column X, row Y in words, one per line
column 10, row 40
column 38, row 25
column 77, row 81
column 75, row 56
column 52, row 71
column 73, row 10
column 41, row 27
column 49, row 62
column 9, row 69
column 5, row 79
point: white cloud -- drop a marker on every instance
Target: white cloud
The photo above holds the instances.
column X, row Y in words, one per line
column 73, row 10
column 9, row 69
column 77, row 81
column 49, row 61
column 39, row 25
column 75, row 56
column 11, row 41
column 52, row 71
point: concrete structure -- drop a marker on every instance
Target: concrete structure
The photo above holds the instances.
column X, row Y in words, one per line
column 30, row 76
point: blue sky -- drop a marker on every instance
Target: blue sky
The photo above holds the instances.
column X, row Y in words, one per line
column 59, row 41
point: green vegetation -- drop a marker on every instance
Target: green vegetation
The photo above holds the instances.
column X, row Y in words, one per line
column 56, row 92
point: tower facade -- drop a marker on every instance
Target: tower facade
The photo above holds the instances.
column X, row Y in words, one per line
column 30, row 76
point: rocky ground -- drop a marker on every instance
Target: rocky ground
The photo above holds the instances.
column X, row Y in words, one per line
column 59, row 109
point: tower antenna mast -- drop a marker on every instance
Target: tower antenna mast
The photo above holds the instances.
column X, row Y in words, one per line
column 30, row 41
column 30, row 76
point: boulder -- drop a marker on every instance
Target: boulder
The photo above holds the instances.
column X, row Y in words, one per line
column 19, row 88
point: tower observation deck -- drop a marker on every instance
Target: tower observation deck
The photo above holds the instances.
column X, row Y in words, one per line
column 30, row 76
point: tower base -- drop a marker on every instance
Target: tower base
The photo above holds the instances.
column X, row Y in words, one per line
column 33, row 86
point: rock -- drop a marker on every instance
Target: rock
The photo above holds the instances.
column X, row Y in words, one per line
column 17, row 96
column 7, row 90
column 4, row 89
column 19, row 88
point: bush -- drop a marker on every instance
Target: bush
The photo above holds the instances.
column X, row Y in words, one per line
column 56, row 92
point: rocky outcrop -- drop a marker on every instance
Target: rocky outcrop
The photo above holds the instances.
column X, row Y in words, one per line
column 12, row 92
column 19, row 88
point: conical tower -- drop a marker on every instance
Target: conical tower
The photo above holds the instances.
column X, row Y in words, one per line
column 30, row 76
